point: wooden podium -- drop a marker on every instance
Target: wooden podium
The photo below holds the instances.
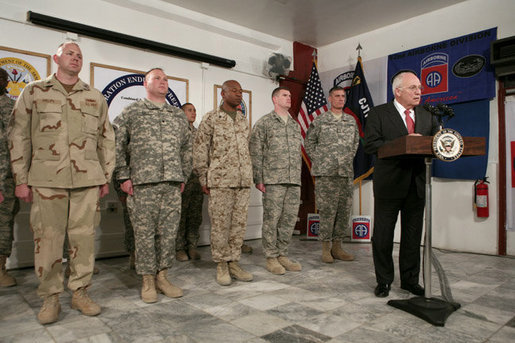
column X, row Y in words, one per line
column 434, row 310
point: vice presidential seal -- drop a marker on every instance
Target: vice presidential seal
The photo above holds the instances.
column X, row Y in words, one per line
column 447, row 145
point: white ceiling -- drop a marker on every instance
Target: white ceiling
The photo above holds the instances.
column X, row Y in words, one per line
column 313, row 22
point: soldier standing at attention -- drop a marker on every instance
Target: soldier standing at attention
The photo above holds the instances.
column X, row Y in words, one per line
column 221, row 159
column 276, row 163
column 62, row 156
column 331, row 143
column 153, row 161
column 10, row 204
column 191, row 207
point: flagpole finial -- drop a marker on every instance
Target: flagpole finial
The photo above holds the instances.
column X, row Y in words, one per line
column 315, row 56
column 359, row 49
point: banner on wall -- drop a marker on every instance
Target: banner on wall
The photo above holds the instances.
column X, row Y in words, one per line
column 451, row 71
column 122, row 86
column 22, row 68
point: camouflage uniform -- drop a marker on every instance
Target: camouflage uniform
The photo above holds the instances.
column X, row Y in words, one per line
column 129, row 230
column 11, row 205
column 221, row 159
column 191, row 211
column 62, row 145
column 331, row 144
column 153, row 150
column 276, row 163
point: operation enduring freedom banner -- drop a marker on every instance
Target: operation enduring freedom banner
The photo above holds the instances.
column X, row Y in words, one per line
column 451, row 71
column 121, row 87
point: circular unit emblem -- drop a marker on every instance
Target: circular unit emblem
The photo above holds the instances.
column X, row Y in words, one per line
column 20, row 73
column 447, row 145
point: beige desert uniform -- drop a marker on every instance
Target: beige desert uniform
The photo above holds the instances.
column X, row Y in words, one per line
column 221, row 159
column 62, row 145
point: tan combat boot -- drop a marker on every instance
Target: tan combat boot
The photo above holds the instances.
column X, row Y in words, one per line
column 274, row 267
column 6, row 280
column 148, row 289
column 194, row 255
column 338, row 253
column 82, row 302
column 166, row 287
column 222, row 274
column 326, row 252
column 181, row 256
column 289, row 265
column 50, row 310
column 238, row 273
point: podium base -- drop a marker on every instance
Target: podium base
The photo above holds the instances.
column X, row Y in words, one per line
column 433, row 310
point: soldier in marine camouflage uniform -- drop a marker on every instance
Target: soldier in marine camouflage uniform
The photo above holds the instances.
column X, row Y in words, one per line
column 153, row 161
column 221, row 159
column 276, row 163
column 331, row 143
column 62, row 156
column 10, row 204
column 191, row 207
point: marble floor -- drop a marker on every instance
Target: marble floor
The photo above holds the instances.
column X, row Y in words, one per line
column 323, row 303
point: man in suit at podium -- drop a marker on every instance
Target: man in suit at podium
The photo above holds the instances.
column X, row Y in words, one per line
column 399, row 184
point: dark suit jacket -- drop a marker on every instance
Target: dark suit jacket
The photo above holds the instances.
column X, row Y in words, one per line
column 392, row 176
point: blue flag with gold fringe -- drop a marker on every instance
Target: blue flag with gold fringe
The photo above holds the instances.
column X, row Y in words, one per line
column 360, row 102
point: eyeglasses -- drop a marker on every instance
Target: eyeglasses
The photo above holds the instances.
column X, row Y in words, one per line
column 414, row 88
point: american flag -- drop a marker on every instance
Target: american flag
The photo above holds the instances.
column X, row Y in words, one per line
column 312, row 106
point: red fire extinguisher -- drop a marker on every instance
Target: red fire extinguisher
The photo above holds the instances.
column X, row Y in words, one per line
column 481, row 198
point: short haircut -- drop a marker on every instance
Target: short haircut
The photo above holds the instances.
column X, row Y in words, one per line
column 336, row 88
column 225, row 85
column 397, row 79
column 151, row 70
column 186, row 104
column 278, row 89
column 60, row 47
column 4, row 81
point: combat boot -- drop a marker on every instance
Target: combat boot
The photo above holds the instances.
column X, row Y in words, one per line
column 194, row 255
column 181, row 256
column 6, row 280
column 326, row 252
column 50, row 310
column 166, row 287
column 274, row 267
column 289, row 265
column 222, row 274
column 148, row 289
column 246, row 249
column 82, row 302
column 338, row 253
column 238, row 273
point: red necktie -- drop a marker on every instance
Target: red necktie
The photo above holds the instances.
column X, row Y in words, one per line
column 409, row 122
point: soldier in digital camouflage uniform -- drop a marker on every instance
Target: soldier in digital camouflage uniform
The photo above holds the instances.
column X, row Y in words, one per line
column 221, row 159
column 153, row 161
column 331, row 143
column 62, row 156
column 191, row 207
column 10, row 204
column 276, row 163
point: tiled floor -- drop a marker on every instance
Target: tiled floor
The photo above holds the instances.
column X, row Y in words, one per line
column 323, row 303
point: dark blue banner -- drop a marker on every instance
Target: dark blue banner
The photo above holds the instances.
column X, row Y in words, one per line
column 467, row 168
column 452, row 71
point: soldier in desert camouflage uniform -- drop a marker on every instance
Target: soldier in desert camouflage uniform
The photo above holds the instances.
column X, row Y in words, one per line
column 62, row 156
column 153, row 161
column 331, row 143
column 276, row 163
column 221, row 159
column 10, row 204
column 191, row 207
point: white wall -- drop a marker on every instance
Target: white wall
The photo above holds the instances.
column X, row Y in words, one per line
column 454, row 225
column 248, row 48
